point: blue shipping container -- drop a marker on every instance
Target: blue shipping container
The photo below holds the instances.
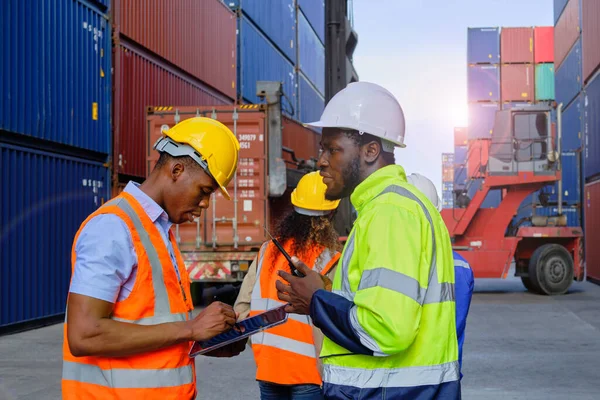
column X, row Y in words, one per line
column 568, row 80
column 261, row 61
column 44, row 199
column 310, row 102
column 510, row 105
column 573, row 214
column 483, row 45
column 276, row 19
column 460, row 154
column 447, row 187
column 559, row 6
column 571, row 180
column 448, row 159
column 493, row 198
column 572, row 126
column 591, row 109
column 311, row 54
column 55, row 76
column 483, row 83
column 460, row 177
column 314, row 10
column 481, row 120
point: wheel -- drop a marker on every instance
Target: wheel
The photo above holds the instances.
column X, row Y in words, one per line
column 551, row 269
column 528, row 285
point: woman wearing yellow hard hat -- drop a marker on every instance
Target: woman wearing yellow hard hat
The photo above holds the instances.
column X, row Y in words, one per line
column 287, row 355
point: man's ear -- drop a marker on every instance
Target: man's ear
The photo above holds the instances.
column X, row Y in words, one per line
column 177, row 169
column 371, row 151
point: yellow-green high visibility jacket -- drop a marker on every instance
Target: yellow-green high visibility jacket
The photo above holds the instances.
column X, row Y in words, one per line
column 389, row 321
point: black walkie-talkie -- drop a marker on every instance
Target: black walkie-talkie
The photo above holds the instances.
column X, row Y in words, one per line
column 286, row 255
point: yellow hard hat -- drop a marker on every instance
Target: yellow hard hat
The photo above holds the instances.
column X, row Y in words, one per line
column 309, row 196
column 210, row 143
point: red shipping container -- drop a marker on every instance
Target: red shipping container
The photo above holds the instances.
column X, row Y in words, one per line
column 516, row 45
column 197, row 36
column 590, row 37
column 447, row 174
column 543, row 46
column 142, row 80
column 517, row 82
column 477, row 158
column 592, row 229
column 566, row 32
column 460, row 137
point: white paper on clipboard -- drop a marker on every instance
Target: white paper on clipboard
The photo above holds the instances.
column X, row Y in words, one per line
column 243, row 329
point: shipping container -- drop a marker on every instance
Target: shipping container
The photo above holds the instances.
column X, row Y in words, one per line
column 167, row 28
column 517, row 82
column 231, row 232
column 568, row 76
column 573, row 214
column 447, row 187
column 44, row 199
column 515, row 104
column 259, row 60
column 544, row 82
column 460, row 155
column 516, row 45
column 460, row 176
column 58, row 88
column 143, row 80
column 314, row 10
column 543, row 47
column 572, row 126
column 571, row 181
column 311, row 54
column 559, row 6
column 566, row 31
column 591, row 120
column 483, row 45
column 493, row 199
column 592, row 230
column 477, row 159
column 447, row 159
column 590, row 37
column 310, row 101
column 448, row 173
column 275, row 19
column 481, row 120
column 460, row 136
column 483, row 83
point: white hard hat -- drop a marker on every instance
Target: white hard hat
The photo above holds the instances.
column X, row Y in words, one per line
column 426, row 187
column 366, row 108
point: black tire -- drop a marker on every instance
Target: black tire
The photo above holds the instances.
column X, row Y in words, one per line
column 551, row 270
column 528, row 285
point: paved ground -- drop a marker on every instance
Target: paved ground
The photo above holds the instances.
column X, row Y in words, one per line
column 518, row 346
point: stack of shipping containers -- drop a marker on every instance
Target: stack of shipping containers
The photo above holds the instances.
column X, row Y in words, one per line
column 447, row 180
column 55, row 143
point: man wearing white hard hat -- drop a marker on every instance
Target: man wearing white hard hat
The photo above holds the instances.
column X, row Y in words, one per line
column 464, row 279
column 389, row 321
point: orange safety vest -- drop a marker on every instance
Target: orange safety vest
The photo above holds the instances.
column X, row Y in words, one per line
column 286, row 353
column 157, row 297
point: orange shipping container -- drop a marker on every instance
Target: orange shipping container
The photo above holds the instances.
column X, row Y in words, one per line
column 517, row 82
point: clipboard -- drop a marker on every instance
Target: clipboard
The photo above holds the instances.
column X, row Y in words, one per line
column 243, row 329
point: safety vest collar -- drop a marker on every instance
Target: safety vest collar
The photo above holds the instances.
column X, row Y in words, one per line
column 371, row 187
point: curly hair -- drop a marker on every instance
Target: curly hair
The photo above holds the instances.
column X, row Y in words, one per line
column 306, row 232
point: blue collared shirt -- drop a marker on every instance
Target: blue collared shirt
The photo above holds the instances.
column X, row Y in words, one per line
column 463, row 288
column 106, row 263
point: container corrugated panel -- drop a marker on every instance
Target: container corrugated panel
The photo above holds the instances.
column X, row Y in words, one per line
column 447, row 159
column 516, row 45
column 448, row 173
column 315, row 13
column 543, row 46
column 515, row 104
column 493, row 199
column 460, row 136
column 571, row 180
column 591, row 120
column 460, row 155
column 518, row 82
column 481, row 120
column 142, row 80
column 44, row 199
column 460, row 176
column 197, row 36
column 276, row 19
column 478, row 155
column 55, row 79
column 261, row 61
column 310, row 102
column 566, row 31
column 568, row 79
column 483, row 83
column 592, row 229
column 483, row 45
column 311, row 54
column 447, row 187
column 572, row 126
column 590, row 37
column 544, row 82
column 559, row 6
column 573, row 214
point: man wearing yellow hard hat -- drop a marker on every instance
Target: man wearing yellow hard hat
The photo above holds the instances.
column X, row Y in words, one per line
column 129, row 323
column 286, row 357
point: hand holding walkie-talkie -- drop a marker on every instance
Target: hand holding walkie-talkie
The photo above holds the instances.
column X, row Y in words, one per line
column 285, row 254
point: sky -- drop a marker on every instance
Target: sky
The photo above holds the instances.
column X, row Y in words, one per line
column 417, row 49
